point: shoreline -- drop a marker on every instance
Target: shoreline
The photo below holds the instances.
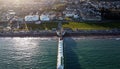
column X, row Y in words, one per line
column 29, row 34
column 76, row 35
column 96, row 37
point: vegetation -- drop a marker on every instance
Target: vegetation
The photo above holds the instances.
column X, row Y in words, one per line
column 42, row 26
column 74, row 26
column 91, row 26
column 70, row 25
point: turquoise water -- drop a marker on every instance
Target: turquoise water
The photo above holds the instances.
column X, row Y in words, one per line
column 92, row 53
column 28, row 53
column 41, row 53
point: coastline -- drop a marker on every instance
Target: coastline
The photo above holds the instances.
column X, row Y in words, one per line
column 93, row 35
column 96, row 37
column 29, row 34
column 52, row 34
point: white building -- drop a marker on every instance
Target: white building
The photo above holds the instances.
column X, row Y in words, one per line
column 44, row 17
column 10, row 14
column 32, row 18
column 76, row 16
column 69, row 14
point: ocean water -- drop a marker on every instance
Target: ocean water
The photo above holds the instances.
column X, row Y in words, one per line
column 41, row 53
column 28, row 53
column 92, row 53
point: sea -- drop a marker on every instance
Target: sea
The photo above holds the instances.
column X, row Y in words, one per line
column 41, row 53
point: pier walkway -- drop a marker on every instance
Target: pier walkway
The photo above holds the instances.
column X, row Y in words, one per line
column 60, row 57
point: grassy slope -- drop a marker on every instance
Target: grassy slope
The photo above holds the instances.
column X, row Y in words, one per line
column 91, row 26
column 74, row 26
column 43, row 26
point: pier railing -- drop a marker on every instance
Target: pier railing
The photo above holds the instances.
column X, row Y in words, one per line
column 60, row 56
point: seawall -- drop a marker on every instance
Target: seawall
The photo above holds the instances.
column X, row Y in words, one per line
column 67, row 34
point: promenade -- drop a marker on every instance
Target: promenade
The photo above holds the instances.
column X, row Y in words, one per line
column 69, row 33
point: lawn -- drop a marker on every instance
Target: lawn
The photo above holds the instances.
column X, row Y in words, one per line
column 42, row 26
column 91, row 26
column 74, row 26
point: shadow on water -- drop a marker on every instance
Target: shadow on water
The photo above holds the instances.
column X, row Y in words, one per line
column 70, row 57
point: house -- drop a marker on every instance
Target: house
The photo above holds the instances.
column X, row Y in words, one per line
column 76, row 16
column 70, row 13
column 44, row 17
column 32, row 18
column 10, row 14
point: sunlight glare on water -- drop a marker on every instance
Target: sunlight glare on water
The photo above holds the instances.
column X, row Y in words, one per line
column 28, row 53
